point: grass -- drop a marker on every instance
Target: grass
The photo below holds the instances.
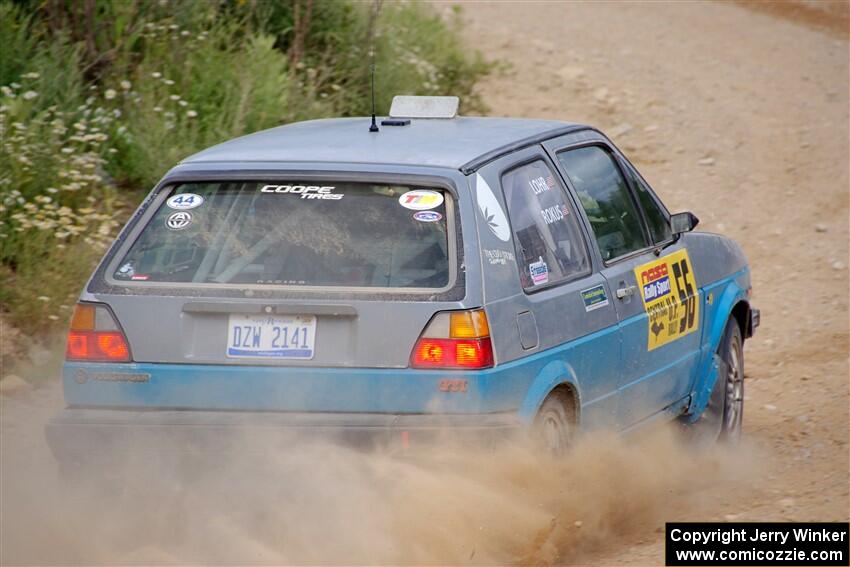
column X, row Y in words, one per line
column 95, row 107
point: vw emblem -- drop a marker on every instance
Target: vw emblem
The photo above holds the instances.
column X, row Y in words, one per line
column 80, row 376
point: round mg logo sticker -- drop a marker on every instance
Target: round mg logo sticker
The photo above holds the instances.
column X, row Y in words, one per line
column 179, row 220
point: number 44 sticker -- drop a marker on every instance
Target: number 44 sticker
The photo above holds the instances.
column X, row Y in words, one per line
column 185, row 201
column 670, row 296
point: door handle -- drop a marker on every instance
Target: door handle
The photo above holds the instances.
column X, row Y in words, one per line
column 627, row 291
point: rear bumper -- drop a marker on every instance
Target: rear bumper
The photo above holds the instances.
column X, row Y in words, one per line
column 77, row 434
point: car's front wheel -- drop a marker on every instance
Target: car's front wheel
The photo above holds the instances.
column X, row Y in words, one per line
column 722, row 418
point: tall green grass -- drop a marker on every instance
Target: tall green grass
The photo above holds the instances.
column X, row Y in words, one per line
column 96, row 106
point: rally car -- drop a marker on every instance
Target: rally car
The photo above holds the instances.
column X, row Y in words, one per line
column 477, row 276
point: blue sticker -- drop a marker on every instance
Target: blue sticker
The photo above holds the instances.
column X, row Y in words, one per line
column 656, row 288
column 594, row 297
column 539, row 272
column 428, row 216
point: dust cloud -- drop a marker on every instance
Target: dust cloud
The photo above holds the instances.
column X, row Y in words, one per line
column 317, row 503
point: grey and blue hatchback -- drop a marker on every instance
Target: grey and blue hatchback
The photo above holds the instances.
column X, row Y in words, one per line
column 472, row 275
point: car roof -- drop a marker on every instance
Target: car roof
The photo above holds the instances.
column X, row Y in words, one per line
column 463, row 143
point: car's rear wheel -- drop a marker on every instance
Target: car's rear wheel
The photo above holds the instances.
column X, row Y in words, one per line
column 554, row 426
column 722, row 418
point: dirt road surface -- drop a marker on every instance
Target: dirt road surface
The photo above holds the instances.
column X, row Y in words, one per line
column 740, row 116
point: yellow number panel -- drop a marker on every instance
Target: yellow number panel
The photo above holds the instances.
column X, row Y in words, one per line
column 670, row 296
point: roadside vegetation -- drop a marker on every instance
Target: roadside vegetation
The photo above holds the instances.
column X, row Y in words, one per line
column 99, row 99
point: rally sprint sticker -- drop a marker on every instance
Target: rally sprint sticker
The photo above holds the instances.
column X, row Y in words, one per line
column 670, row 297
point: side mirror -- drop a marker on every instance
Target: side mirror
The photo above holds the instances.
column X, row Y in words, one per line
column 683, row 222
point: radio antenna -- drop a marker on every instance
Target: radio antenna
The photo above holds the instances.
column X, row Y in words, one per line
column 373, row 21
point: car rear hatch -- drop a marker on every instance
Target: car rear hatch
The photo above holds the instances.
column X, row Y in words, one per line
column 312, row 294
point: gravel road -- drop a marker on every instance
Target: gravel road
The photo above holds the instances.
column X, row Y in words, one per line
column 741, row 117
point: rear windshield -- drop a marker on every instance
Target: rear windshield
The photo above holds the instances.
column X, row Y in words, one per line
column 295, row 234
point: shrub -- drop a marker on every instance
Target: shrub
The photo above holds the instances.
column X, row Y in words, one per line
column 113, row 97
column 57, row 209
column 196, row 90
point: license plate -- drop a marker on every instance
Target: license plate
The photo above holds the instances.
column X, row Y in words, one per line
column 271, row 336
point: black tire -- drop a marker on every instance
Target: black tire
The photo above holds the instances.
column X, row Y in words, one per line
column 722, row 419
column 554, row 425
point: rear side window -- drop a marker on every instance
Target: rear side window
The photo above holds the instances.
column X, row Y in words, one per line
column 546, row 232
column 605, row 198
column 358, row 235
column 659, row 225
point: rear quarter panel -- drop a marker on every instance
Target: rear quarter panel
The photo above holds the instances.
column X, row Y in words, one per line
column 547, row 338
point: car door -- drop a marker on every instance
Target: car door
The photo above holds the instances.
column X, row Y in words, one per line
column 550, row 307
column 654, row 285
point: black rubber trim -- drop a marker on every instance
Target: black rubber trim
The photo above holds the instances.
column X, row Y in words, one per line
column 482, row 160
column 755, row 321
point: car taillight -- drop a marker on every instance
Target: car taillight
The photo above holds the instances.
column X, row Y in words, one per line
column 459, row 339
column 95, row 336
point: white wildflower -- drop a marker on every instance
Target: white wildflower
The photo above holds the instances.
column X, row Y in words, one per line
column 174, row 97
column 126, row 85
column 157, row 109
column 43, row 298
column 32, row 75
column 156, row 74
column 180, row 102
column 191, row 113
column 168, row 82
column 29, row 95
column 110, row 94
